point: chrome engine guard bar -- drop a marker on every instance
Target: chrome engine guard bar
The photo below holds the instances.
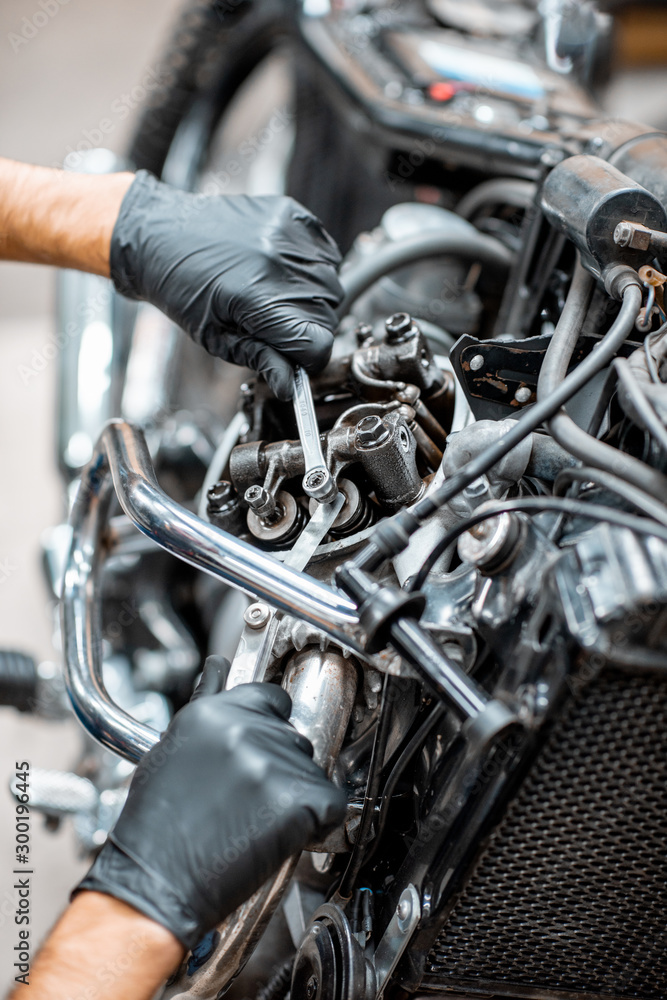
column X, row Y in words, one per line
column 121, row 461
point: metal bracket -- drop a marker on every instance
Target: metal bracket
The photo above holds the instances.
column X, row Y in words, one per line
column 500, row 378
column 396, row 937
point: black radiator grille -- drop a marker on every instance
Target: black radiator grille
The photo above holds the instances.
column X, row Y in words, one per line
column 571, row 894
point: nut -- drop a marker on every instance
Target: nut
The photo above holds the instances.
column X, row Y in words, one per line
column 320, row 484
column 314, row 479
column 399, row 327
column 631, row 234
column 260, row 501
column 371, row 431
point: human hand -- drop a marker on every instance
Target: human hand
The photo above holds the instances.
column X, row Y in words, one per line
column 251, row 279
column 227, row 795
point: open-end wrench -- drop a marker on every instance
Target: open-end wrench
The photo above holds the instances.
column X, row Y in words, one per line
column 318, row 481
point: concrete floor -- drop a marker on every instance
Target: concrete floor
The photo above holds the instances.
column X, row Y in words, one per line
column 56, row 86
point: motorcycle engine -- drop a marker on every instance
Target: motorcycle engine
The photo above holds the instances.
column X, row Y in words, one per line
column 544, row 606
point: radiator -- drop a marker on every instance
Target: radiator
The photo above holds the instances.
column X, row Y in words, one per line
column 569, row 898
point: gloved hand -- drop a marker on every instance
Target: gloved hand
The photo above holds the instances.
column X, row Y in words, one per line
column 227, row 795
column 253, row 280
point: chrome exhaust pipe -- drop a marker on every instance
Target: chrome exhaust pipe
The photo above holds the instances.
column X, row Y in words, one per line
column 121, row 461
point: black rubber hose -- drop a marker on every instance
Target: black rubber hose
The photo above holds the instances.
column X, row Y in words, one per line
column 642, row 405
column 372, row 793
column 499, row 191
column 476, row 247
column 567, row 332
column 539, row 505
column 561, row 426
column 642, row 501
column 544, row 409
column 414, row 744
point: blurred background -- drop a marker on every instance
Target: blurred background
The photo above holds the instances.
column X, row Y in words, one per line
column 59, row 81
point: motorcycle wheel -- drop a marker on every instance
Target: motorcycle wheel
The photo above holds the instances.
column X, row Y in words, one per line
column 215, row 53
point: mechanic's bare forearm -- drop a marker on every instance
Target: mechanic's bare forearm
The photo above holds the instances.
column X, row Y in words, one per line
column 54, row 217
column 102, row 948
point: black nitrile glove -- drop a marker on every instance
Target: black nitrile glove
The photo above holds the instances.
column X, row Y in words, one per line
column 227, row 795
column 253, row 280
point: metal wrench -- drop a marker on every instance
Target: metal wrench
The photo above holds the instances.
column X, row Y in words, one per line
column 256, row 643
column 318, row 481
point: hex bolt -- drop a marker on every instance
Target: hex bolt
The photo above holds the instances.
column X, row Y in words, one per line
column 362, row 333
column 633, row 235
column 314, row 479
column 255, row 496
column 623, row 234
column 260, row 501
column 256, row 616
column 398, row 327
column 477, row 488
column 220, row 495
column 477, row 362
column 523, row 394
column 223, row 507
column 370, row 432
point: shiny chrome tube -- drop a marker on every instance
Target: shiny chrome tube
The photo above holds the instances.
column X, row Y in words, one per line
column 121, row 460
